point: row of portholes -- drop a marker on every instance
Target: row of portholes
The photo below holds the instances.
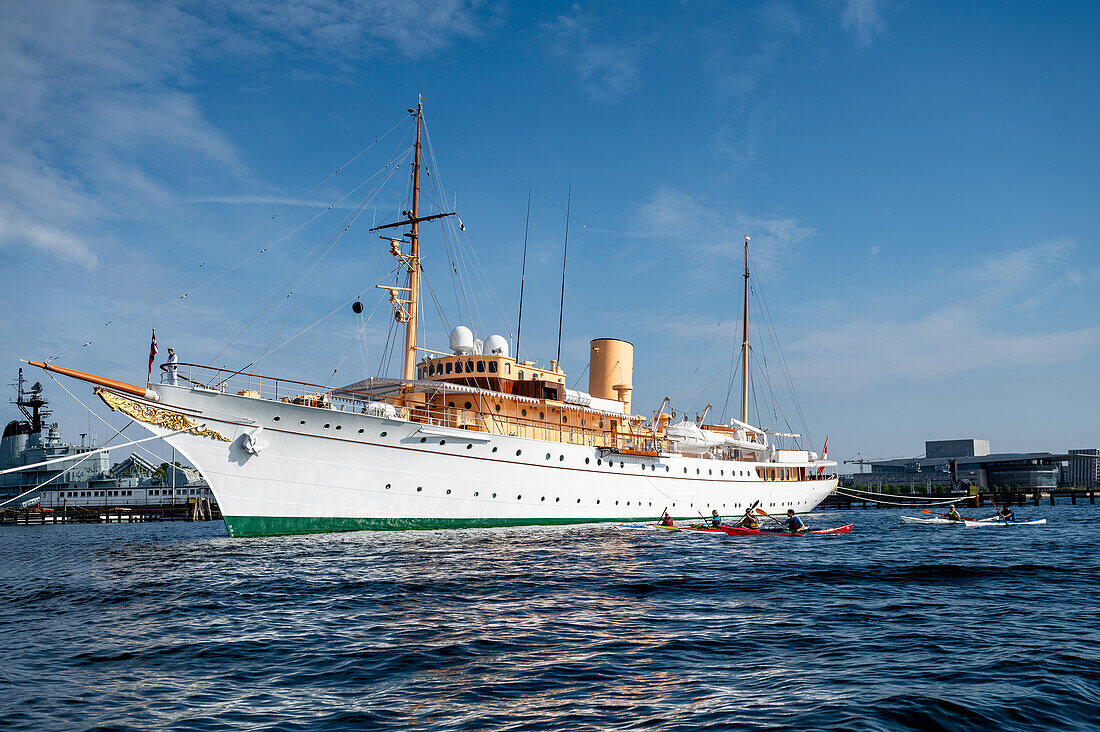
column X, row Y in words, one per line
column 420, row 489
column 561, row 458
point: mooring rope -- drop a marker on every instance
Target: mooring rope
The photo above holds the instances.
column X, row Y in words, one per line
column 931, row 501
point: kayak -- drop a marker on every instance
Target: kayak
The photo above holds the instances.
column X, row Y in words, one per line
column 937, row 521
column 739, row 531
column 705, row 529
column 645, row 527
column 976, row 524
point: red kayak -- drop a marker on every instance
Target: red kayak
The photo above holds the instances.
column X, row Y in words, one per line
column 738, row 531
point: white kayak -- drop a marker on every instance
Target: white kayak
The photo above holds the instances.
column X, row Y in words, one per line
column 998, row 522
column 936, row 521
column 636, row 527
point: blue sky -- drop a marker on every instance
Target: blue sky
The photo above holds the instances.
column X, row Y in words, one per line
column 919, row 180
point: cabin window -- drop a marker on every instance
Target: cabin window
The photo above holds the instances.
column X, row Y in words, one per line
column 542, row 415
column 524, row 412
column 481, row 367
column 451, row 405
column 565, row 420
column 497, row 406
column 521, row 375
column 469, row 367
column 468, row 405
column 431, row 369
column 449, row 367
column 492, row 367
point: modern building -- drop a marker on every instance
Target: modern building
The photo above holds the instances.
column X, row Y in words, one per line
column 946, row 462
column 1084, row 468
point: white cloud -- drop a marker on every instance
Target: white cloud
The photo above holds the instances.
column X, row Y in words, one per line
column 415, row 28
column 1022, row 266
column 606, row 71
column 684, row 219
column 863, row 19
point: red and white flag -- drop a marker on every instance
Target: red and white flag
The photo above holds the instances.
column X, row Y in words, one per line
column 824, row 456
column 152, row 354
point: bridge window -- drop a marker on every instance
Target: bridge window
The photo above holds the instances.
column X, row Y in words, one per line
column 449, row 367
column 481, row 367
column 469, row 367
column 520, row 374
column 493, row 367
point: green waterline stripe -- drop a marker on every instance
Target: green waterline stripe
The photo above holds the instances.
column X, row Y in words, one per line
column 240, row 526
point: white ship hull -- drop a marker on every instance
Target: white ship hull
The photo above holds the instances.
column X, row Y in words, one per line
column 319, row 469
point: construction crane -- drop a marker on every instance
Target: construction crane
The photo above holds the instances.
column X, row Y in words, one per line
column 858, row 460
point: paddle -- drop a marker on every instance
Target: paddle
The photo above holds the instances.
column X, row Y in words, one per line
column 998, row 510
column 762, row 512
column 748, row 514
column 661, row 521
column 944, row 515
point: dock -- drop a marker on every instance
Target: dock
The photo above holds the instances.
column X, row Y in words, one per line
column 849, row 498
column 199, row 510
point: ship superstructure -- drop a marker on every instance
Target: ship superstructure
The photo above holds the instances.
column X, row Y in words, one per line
column 473, row 437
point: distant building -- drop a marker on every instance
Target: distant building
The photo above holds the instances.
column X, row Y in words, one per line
column 1084, row 472
column 969, row 461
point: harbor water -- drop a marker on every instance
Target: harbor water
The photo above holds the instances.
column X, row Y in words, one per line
column 889, row 627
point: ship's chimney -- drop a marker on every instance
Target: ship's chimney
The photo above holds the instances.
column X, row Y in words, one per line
column 611, row 370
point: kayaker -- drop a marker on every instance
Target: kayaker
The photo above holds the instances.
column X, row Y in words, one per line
column 666, row 520
column 793, row 523
column 748, row 521
column 1008, row 515
column 715, row 519
column 953, row 514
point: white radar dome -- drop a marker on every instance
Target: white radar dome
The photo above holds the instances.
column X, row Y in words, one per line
column 496, row 345
column 462, row 340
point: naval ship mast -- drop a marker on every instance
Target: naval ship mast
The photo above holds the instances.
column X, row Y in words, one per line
column 406, row 310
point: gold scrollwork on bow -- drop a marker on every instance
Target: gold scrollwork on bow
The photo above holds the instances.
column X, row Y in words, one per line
column 155, row 415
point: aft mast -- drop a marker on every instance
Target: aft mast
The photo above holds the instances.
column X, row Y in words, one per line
column 745, row 343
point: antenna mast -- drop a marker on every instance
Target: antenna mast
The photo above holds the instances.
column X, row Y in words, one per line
column 523, row 274
column 745, row 343
column 564, row 255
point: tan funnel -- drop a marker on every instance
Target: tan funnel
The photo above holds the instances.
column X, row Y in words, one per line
column 611, row 370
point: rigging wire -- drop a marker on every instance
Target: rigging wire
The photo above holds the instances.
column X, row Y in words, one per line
column 143, row 312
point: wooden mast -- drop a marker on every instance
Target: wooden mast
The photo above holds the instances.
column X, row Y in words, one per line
column 745, row 343
column 414, row 256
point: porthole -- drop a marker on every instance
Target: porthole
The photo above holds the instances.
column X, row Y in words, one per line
column 498, row 407
column 524, row 412
column 467, row 405
column 616, row 503
column 419, row 488
column 666, row 468
column 578, row 500
column 470, row 446
column 542, row 415
column 423, row 439
column 561, row 458
column 565, row 420
column 599, row 461
column 387, row 486
column 274, row 419
column 494, row 449
column 442, row 442
column 601, row 423
column 622, row 465
column 597, row 501
column 543, row 498
column 494, row 495
column 448, row 491
column 519, row 498
column 360, row 431
column 302, row 422
column 451, row 405
column 326, row 426
column 651, row 503
column 475, row 494
column 519, row 452
column 710, row 472
column 697, row 471
column 685, row 469
column 380, row 434
column 547, row 456
column 557, row 499
column 587, row 461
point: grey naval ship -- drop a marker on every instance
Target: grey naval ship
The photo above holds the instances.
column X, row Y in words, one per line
column 81, row 477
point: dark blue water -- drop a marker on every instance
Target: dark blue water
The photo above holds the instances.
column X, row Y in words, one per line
column 890, row 627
